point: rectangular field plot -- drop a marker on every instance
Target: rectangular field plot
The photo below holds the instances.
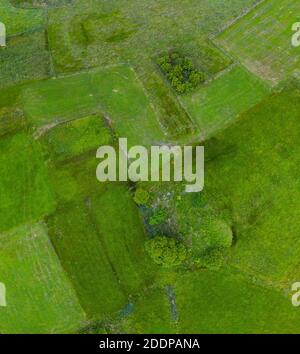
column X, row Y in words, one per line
column 24, row 59
column 58, row 100
column 219, row 102
column 39, row 297
column 122, row 236
column 77, row 137
column 252, row 172
column 25, row 192
column 262, row 40
column 228, row 302
column 123, row 98
column 83, row 257
column 104, row 257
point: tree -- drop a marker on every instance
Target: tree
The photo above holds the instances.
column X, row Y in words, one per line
column 166, row 251
column 141, row 196
column 212, row 259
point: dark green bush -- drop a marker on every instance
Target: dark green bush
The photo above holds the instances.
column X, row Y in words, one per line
column 165, row 251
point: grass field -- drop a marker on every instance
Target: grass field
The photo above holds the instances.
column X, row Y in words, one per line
column 151, row 314
column 24, row 59
column 218, row 103
column 115, row 91
column 76, row 137
column 251, row 174
column 82, row 256
column 25, row 192
column 105, row 261
column 59, row 100
column 123, row 99
column 262, row 40
column 40, row 298
column 228, row 302
column 123, row 240
column 79, row 74
column 19, row 21
column 95, row 33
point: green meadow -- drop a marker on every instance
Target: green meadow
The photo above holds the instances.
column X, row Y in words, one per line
column 40, row 297
column 19, row 21
column 261, row 40
column 251, row 174
column 230, row 302
column 217, row 104
column 78, row 255
column 26, row 195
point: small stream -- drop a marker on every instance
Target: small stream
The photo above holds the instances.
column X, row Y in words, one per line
column 172, row 301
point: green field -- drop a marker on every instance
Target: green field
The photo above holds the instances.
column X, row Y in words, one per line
column 106, row 262
column 40, row 298
column 229, row 302
column 95, row 32
column 81, row 253
column 59, row 100
column 114, row 91
column 123, row 98
column 124, row 239
column 25, row 192
column 78, row 255
column 19, row 21
column 24, row 59
column 262, row 40
column 218, row 103
column 151, row 314
column 248, row 170
column 77, row 137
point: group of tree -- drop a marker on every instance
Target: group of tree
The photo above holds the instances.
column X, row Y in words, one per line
column 180, row 71
column 205, row 249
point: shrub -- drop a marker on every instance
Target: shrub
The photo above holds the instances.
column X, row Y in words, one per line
column 165, row 251
column 180, row 72
column 212, row 259
column 141, row 196
column 158, row 217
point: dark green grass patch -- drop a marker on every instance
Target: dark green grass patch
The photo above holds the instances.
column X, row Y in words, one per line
column 122, row 235
column 83, row 257
column 228, row 302
column 252, row 174
column 75, row 179
column 219, row 102
column 77, row 137
column 24, row 59
column 25, row 193
column 261, row 40
column 11, row 120
column 40, row 298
